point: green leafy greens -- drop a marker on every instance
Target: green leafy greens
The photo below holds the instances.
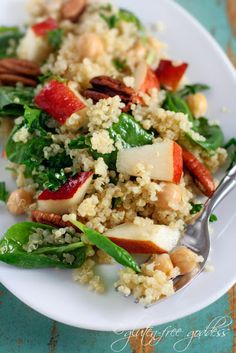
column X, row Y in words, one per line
column 212, row 133
column 47, row 173
column 13, row 99
column 9, row 39
column 12, row 249
column 105, row 244
column 193, row 89
column 196, row 208
column 3, row 191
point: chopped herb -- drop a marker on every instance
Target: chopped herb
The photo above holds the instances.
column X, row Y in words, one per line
column 55, row 38
column 120, row 64
column 116, row 202
column 3, row 191
column 213, row 218
column 192, row 89
column 196, row 208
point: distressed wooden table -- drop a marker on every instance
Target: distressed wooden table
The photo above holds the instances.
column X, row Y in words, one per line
column 22, row 330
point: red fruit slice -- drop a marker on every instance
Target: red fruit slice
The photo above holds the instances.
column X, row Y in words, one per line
column 68, row 197
column 58, row 101
column 41, row 28
column 67, row 190
column 178, row 163
column 169, row 75
column 145, row 78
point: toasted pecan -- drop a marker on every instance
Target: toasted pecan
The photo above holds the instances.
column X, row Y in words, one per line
column 11, row 79
column 200, row 173
column 51, row 219
column 72, row 9
column 109, row 85
column 19, row 66
column 94, row 95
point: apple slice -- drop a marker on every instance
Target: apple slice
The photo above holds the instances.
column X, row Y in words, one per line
column 59, row 101
column 67, row 196
column 33, row 48
column 145, row 78
column 151, row 239
column 165, row 158
column 41, row 28
column 169, row 75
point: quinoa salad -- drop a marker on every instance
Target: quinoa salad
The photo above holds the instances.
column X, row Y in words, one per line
column 110, row 147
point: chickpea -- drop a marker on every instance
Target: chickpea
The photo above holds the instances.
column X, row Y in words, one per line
column 197, row 104
column 19, row 201
column 171, row 194
column 184, row 259
column 90, row 46
column 163, row 263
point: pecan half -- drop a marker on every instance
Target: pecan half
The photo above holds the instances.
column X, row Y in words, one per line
column 200, row 173
column 51, row 219
column 104, row 87
column 72, row 9
column 9, row 79
column 14, row 70
column 112, row 87
column 94, row 95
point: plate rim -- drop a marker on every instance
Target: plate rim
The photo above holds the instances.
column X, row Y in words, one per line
column 198, row 306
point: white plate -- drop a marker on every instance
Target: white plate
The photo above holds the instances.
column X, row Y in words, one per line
column 52, row 292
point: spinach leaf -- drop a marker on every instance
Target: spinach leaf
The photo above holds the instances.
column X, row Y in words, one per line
column 175, row 103
column 212, row 133
column 55, row 38
column 13, row 99
column 12, row 249
column 192, row 89
column 3, row 191
column 29, row 153
column 127, row 131
column 113, row 20
column 9, row 35
column 130, row 132
column 231, row 147
column 31, row 115
column 105, row 244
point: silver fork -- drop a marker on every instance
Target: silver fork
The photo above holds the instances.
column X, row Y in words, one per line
column 196, row 236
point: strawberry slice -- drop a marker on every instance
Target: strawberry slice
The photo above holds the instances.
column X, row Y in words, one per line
column 41, row 28
column 59, row 101
column 169, row 75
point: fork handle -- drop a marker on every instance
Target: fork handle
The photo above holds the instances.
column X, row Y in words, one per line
column 224, row 188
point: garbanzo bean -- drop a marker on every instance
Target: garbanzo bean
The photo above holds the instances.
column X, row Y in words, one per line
column 19, row 201
column 90, row 46
column 163, row 263
column 197, row 104
column 171, row 194
column 184, row 259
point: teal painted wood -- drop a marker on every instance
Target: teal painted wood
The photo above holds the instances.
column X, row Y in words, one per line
column 22, row 330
